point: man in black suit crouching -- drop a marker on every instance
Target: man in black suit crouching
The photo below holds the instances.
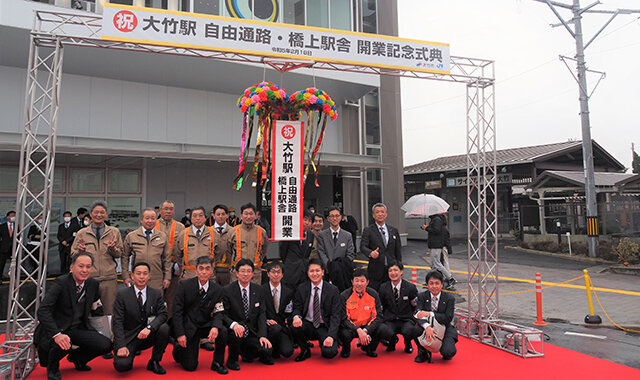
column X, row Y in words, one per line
column 63, row 319
column 245, row 318
column 317, row 313
column 139, row 316
column 198, row 313
column 278, row 303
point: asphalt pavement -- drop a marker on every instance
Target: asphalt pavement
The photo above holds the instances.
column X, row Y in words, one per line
column 564, row 306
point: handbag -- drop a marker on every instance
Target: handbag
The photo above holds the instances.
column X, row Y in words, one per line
column 102, row 325
column 432, row 345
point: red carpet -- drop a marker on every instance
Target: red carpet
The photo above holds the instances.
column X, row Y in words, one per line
column 474, row 360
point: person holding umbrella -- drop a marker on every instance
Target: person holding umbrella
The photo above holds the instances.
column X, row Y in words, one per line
column 436, row 229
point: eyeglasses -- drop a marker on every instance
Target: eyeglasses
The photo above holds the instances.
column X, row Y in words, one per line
column 334, row 216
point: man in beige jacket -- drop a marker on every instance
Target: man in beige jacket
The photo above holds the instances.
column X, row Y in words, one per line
column 195, row 241
column 172, row 229
column 248, row 241
column 105, row 244
column 149, row 245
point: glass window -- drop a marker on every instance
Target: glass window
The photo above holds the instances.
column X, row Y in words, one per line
column 123, row 2
column 57, row 209
column 372, row 118
column 9, row 177
column 210, row 7
column 124, row 213
column 318, row 13
column 374, row 188
column 159, row 4
column 87, row 180
column 341, row 14
column 369, row 16
column 6, row 204
column 373, row 151
column 76, row 202
column 36, row 180
column 293, row 12
column 124, row 181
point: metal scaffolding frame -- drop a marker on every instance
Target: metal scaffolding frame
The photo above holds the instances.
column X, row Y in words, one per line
column 54, row 30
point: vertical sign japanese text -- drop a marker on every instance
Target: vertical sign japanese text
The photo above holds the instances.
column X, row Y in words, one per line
column 286, row 180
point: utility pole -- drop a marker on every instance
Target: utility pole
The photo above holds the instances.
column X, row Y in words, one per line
column 587, row 150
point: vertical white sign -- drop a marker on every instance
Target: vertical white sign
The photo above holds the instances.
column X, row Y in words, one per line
column 287, row 185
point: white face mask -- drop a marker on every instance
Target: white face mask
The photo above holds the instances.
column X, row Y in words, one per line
column 86, row 223
column 12, row 219
column 67, row 219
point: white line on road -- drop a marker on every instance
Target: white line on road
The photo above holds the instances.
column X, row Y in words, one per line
column 585, row 335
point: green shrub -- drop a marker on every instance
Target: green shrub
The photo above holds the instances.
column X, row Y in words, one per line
column 627, row 251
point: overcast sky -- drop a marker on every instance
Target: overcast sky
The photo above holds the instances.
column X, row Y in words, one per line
column 536, row 96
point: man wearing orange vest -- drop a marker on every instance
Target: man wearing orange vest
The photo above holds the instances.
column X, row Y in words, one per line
column 364, row 313
column 248, row 241
column 222, row 252
column 172, row 228
column 194, row 242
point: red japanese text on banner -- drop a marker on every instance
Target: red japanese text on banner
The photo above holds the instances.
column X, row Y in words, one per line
column 287, row 183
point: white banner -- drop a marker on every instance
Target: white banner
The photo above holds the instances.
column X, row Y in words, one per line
column 287, row 180
column 269, row 39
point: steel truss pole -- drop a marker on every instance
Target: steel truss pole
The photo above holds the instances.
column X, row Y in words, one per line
column 33, row 206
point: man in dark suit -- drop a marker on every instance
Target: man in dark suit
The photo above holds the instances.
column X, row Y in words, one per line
column 7, row 230
column 441, row 306
column 198, row 313
column 78, row 222
column 65, row 240
column 278, row 303
column 335, row 247
column 318, row 311
column 399, row 299
column 364, row 314
column 139, row 316
column 246, row 319
column 63, row 320
column 295, row 254
column 381, row 243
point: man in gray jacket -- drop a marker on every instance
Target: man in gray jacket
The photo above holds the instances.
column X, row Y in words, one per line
column 335, row 248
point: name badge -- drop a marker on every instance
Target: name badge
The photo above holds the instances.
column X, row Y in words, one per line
column 74, row 234
column 394, row 236
column 289, row 307
column 150, row 319
column 405, row 298
column 367, row 308
column 342, row 244
column 208, row 238
column 156, row 239
column 219, row 307
column 257, row 304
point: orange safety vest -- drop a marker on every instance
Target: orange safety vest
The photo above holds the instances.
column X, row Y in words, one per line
column 172, row 235
column 257, row 262
column 361, row 311
column 186, row 265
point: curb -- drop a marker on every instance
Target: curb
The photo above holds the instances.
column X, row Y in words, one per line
column 561, row 255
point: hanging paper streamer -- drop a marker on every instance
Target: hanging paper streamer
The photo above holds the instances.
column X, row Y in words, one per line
column 318, row 106
column 264, row 102
column 259, row 100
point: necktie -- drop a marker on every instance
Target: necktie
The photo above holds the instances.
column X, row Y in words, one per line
column 198, row 234
column 384, row 236
column 434, row 303
column 78, row 291
column 220, row 230
column 10, row 229
column 275, row 299
column 202, row 293
column 396, row 294
column 66, row 225
column 245, row 303
column 316, row 308
column 148, row 233
column 335, row 238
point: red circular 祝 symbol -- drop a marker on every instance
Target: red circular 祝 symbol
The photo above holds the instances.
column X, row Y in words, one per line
column 125, row 21
column 288, row 132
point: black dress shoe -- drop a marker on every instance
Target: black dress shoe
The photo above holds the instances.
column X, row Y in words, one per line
column 54, row 373
column 108, row 355
column 303, row 355
column 423, row 356
column 234, row 366
column 345, row 353
column 215, row 366
column 392, row 344
column 138, row 352
column 408, row 349
column 155, row 367
column 372, row 354
column 207, row 346
column 267, row 360
column 82, row 367
column 309, row 344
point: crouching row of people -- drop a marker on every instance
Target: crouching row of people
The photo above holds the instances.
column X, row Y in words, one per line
column 253, row 321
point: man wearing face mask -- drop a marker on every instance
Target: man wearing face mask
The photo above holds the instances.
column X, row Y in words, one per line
column 186, row 219
column 7, row 230
column 65, row 236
